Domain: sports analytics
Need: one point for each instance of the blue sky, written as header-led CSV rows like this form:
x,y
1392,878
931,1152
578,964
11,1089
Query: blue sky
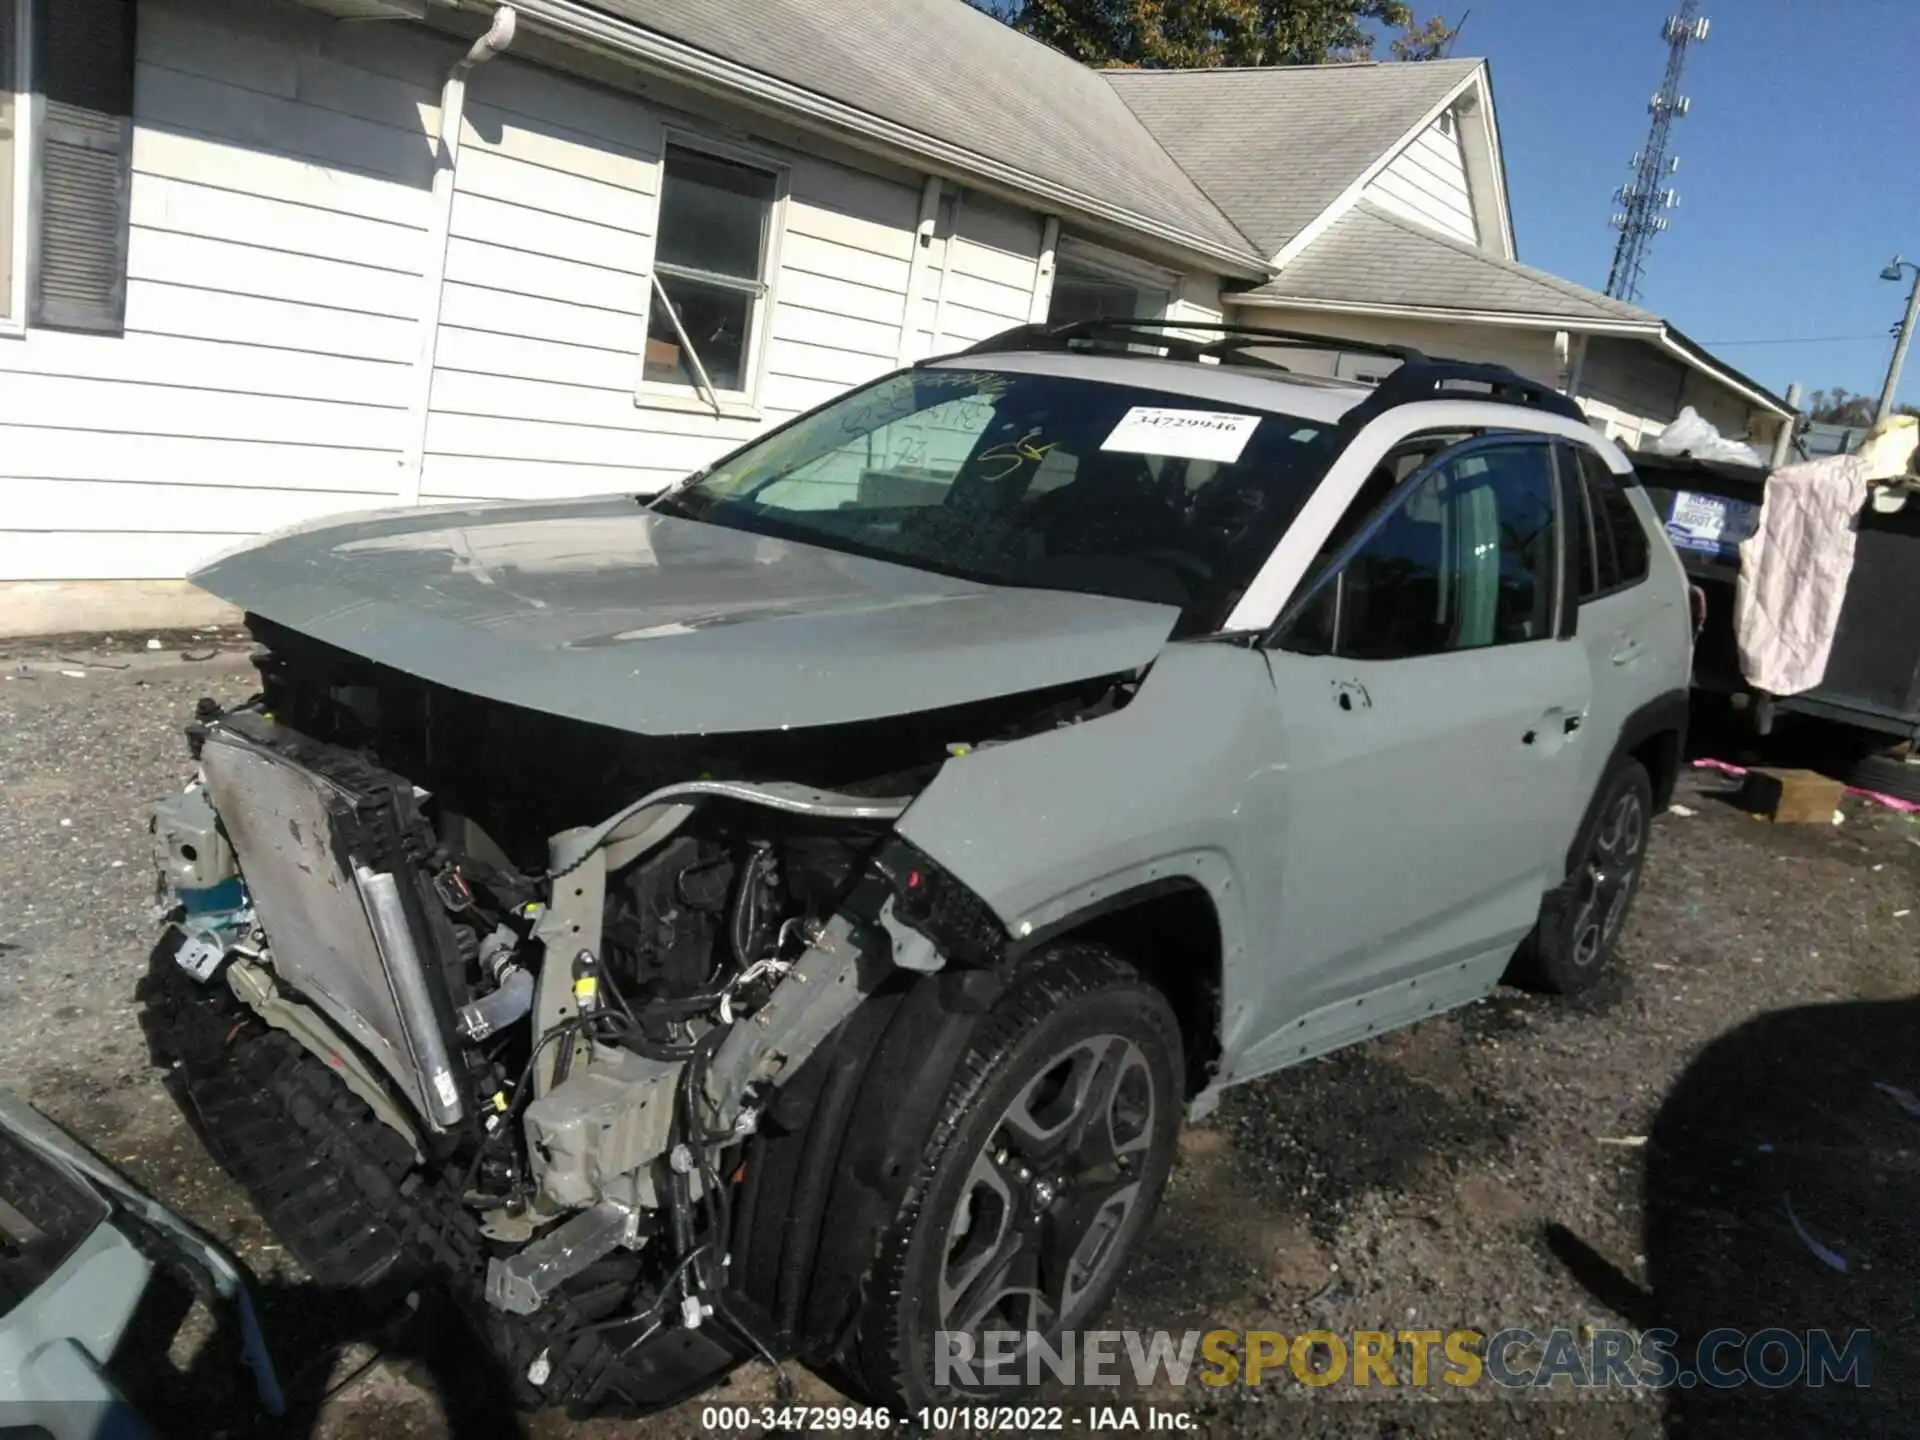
x,y
1799,169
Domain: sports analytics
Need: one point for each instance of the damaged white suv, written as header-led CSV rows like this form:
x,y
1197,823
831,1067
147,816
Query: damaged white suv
x,y
791,915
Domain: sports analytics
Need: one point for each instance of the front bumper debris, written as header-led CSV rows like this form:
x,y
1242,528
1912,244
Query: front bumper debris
x,y
71,1278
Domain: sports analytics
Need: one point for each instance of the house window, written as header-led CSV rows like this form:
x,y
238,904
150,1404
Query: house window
x,y
1086,290
14,111
711,259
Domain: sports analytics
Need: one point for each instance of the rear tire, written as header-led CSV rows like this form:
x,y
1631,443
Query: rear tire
x,y
1581,921
1042,1169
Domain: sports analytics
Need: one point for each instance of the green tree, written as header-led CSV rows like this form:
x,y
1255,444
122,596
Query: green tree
x,y
1199,34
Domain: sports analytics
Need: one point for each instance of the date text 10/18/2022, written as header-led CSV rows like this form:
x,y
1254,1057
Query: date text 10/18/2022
x,y
942,1419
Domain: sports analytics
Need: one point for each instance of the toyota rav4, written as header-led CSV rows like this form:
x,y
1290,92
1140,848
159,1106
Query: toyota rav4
x,y
791,915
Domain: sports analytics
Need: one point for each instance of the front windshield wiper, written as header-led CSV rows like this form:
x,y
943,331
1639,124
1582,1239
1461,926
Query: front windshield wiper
x,y
680,503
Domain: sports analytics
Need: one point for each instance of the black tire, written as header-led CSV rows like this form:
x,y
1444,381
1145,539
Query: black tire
x,y
1076,1037
1883,774
344,1194
1581,921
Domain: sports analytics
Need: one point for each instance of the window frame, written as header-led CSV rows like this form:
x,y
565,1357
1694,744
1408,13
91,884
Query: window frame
x,y
1334,569
13,319
708,399
1591,470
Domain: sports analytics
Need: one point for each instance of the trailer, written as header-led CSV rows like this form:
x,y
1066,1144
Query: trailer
x,y
1872,682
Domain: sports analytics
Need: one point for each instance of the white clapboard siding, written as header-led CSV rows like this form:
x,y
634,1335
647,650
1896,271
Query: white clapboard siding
x,y
43,452
154,408
98,555
548,277
465,393
206,312
534,232
567,443
174,100
107,505
785,395
1427,183
836,261
622,162
212,365
468,477
486,352
279,209
169,155
183,208
821,362
532,317
802,324
268,274
850,297
497,176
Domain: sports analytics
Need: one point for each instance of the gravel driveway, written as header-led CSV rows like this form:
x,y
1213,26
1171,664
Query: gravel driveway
x,y
1626,1161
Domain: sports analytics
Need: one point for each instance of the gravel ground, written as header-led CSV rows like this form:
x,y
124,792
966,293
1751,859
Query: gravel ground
x,y
1629,1160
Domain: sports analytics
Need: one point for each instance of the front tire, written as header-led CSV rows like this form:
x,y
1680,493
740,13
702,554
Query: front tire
x,y
1042,1170
1581,922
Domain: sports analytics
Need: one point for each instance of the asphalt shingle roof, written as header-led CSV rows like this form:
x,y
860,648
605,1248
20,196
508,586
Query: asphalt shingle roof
x,y
951,72
1369,257
1275,147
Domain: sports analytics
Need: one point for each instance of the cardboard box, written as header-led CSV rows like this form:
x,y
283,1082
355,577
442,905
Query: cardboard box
x,y
1792,797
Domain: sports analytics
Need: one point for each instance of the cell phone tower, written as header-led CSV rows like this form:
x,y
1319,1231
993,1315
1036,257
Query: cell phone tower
x,y
1644,200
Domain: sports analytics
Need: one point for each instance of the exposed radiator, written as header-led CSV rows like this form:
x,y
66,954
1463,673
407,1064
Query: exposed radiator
x,y
338,929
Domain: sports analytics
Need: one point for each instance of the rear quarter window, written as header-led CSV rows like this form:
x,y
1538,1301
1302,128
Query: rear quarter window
x,y
1613,544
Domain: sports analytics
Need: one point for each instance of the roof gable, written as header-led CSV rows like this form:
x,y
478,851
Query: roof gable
x,y
1276,147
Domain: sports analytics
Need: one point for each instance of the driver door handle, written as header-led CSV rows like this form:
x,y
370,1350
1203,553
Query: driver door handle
x,y
1626,652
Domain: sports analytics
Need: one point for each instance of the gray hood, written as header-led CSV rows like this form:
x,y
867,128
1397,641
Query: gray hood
x,y
604,611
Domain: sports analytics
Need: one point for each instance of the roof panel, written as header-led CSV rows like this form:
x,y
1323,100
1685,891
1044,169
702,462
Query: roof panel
x,y
947,70
1238,132
1368,257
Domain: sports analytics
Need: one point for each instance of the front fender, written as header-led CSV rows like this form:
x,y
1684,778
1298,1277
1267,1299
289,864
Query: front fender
x,y
1055,826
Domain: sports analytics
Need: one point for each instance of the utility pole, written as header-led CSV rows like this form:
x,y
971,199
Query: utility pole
x,y
1892,272
1643,198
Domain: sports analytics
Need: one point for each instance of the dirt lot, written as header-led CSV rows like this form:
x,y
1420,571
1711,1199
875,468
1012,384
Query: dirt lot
x,y
1637,1160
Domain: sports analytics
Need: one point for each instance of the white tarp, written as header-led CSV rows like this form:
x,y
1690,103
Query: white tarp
x,y
1794,571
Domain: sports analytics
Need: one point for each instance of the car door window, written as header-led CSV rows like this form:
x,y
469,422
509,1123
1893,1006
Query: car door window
x,y
1465,557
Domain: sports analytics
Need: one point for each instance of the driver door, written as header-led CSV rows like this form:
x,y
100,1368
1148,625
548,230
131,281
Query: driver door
x,y
1430,717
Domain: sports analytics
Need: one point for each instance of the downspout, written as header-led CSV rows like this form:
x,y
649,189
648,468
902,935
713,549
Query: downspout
x,y
946,267
453,108
1043,272
917,270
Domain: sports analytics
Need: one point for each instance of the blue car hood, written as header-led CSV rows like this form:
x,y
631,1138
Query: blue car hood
x,y
604,611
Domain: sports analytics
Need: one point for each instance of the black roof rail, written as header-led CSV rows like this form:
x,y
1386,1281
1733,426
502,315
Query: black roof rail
x,y
1417,377
1460,380
1118,335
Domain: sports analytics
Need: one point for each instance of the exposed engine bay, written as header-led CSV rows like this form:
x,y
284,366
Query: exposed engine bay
x,y
569,966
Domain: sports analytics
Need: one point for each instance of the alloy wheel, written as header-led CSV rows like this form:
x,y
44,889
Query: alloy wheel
x,y
1040,1218
1606,882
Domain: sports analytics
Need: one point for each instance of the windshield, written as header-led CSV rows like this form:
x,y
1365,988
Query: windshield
x,y
1050,481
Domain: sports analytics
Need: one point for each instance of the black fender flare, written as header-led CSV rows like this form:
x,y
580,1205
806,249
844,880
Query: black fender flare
x,y
1664,715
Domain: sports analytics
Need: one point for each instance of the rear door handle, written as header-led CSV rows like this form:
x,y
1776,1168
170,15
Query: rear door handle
x,y
1626,652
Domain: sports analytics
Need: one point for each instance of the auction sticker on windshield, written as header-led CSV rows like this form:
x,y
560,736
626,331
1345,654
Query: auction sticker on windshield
x,y
1189,434
1713,524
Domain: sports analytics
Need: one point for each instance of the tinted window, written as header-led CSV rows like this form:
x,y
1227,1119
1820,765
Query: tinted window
x,y
1616,541
1462,560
